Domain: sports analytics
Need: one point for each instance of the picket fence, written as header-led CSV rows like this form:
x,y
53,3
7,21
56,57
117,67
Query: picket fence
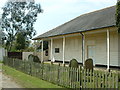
x,y
66,76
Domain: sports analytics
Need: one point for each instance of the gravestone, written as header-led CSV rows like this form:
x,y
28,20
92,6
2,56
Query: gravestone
x,y
72,74
30,58
36,59
89,64
33,58
73,63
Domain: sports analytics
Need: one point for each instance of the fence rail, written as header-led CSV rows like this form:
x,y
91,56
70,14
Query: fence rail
x,y
66,76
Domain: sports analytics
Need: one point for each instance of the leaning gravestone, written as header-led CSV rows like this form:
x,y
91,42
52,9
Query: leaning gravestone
x,y
89,64
33,58
72,74
36,59
30,58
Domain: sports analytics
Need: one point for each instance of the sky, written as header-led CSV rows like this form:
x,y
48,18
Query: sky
x,y
57,12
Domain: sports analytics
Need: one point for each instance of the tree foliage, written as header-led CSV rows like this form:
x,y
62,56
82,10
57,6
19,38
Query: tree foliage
x,y
2,37
118,15
19,17
38,45
20,42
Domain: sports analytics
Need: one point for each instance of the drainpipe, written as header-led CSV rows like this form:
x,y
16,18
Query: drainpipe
x,y
83,48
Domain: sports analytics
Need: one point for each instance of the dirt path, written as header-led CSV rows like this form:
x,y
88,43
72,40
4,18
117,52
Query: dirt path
x,y
6,82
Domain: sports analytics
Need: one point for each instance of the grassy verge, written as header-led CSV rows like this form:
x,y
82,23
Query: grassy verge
x,y
27,81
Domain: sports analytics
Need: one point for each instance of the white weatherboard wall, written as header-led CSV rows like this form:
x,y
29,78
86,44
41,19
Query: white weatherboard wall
x,y
73,47
99,40
114,48
58,43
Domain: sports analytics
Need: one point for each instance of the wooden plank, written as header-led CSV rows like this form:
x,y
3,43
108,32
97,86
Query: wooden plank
x,y
91,83
112,81
93,79
84,78
96,81
87,78
116,86
109,80
79,77
77,86
102,79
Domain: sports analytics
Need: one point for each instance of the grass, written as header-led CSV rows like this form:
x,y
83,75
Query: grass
x,y
27,81
1,61
0,66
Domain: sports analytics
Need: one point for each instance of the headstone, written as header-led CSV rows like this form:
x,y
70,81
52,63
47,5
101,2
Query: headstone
x,y
36,59
30,58
73,63
89,64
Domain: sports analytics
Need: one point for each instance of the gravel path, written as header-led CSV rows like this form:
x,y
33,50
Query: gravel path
x,y
6,82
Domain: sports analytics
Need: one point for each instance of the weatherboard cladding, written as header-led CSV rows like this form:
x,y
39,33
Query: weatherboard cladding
x,y
90,21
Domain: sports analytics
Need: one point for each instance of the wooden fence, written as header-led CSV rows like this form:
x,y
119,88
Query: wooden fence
x,y
66,76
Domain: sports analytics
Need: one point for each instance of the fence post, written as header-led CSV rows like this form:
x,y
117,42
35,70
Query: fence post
x,y
24,67
42,67
58,76
13,62
30,68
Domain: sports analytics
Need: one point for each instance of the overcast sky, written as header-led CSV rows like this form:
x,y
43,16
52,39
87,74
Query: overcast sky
x,y
57,12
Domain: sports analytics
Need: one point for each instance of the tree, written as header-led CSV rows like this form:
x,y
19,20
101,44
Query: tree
x,y
38,45
2,37
118,15
19,17
20,42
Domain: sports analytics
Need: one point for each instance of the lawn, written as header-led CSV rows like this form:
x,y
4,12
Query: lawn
x,y
25,80
1,61
0,66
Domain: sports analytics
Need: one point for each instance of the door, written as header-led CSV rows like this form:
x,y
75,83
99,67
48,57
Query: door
x,y
91,53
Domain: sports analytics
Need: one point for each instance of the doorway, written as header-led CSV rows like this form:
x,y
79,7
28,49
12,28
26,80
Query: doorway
x,y
91,52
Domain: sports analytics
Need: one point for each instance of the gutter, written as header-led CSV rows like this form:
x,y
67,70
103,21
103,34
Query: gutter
x,y
73,32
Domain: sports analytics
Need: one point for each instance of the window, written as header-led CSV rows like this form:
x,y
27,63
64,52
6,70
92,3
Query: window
x,y
57,50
